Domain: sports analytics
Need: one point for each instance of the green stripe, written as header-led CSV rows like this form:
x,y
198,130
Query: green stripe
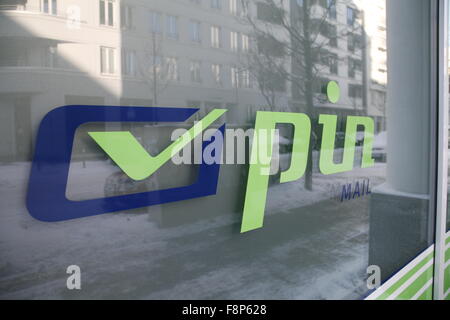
x,y
418,284
405,278
447,270
447,279
427,294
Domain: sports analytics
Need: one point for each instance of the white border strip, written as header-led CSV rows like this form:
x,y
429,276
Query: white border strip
x,y
411,280
447,294
423,289
400,274
440,69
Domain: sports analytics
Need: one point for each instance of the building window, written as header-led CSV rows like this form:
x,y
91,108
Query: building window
x,y
245,42
234,7
234,41
126,17
331,7
245,77
172,69
129,63
49,7
216,4
195,69
378,98
355,91
157,67
351,16
320,85
234,77
270,46
216,70
353,66
269,12
332,36
194,31
353,42
172,27
330,31
51,57
333,63
215,37
155,22
107,12
107,61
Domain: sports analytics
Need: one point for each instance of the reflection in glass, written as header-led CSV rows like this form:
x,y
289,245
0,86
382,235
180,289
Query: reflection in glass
x,y
244,56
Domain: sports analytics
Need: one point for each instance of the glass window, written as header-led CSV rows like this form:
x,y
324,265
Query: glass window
x,y
234,7
129,63
350,16
195,68
110,13
216,4
235,77
155,22
107,12
351,43
216,70
270,12
172,69
333,63
245,77
331,6
54,7
126,16
216,37
49,6
353,66
234,41
340,207
245,42
102,12
107,60
51,57
45,6
195,31
172,26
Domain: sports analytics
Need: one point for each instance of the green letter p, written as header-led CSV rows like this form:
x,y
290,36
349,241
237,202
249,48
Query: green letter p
x,y
258,176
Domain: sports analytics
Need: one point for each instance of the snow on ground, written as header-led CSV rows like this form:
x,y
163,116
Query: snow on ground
x,y
311,246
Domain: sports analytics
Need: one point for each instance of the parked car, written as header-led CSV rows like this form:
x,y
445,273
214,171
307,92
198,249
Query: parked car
x,y
281,159
119,184
379,147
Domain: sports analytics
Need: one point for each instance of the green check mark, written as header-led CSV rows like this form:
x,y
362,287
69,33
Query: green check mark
x,y
123,148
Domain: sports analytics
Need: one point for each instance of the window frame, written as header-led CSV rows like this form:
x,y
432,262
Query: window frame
x,y
105,53
109,7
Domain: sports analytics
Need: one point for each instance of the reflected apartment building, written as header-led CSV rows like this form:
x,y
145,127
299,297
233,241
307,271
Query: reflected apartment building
x,y
349,45
111,52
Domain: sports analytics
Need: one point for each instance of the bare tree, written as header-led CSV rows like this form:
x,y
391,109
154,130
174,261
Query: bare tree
x,y
293,39
156,69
